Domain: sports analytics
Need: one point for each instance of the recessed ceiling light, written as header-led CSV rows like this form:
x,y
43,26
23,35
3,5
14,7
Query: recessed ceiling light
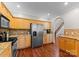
x,y
48,14
66,3
18,6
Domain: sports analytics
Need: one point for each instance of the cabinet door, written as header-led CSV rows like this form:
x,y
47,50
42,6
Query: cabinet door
x,y
21,41
45,39
77,47
61,43
28,41
45,26
67,44
50,38
27,25
7,52
70,45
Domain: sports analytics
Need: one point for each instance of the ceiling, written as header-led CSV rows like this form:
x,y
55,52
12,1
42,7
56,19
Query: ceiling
x,y
40,10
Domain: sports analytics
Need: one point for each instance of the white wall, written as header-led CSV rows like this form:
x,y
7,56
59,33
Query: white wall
x,y
71,19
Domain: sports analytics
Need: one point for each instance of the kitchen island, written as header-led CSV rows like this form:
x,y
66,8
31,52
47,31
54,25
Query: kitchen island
x,y
69,44
5,49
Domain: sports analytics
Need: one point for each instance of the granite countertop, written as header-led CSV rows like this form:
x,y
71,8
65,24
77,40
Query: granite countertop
x,y
73,37
3,46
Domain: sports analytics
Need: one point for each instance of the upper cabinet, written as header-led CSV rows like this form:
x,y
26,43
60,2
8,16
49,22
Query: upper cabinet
x,y
4,21
47,25
18,23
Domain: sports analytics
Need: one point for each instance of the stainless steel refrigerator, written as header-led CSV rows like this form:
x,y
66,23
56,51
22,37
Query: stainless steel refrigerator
x,y
36,35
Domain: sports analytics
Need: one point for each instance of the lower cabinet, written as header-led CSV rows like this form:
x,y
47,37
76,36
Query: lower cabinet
x,y
68,45
47,38
28,41
77,48
61,43
23,41
7,52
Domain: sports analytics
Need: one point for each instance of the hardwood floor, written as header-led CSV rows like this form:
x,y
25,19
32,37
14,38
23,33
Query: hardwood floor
x,y
65,54
49,50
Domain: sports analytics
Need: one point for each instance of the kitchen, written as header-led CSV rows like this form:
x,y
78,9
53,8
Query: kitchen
x,y
39,29
19,33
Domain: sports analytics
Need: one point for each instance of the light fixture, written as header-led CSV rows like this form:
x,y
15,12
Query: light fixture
x,y
18,6
48,14
66,3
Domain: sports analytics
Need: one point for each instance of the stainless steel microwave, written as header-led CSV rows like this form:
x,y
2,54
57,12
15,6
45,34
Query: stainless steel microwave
x,y
4,21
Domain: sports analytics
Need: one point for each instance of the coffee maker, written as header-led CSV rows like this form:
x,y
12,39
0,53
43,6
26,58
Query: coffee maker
x,y
3,36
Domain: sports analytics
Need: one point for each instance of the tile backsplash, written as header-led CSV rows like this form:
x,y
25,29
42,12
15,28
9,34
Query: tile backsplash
x,y
3,30
18,32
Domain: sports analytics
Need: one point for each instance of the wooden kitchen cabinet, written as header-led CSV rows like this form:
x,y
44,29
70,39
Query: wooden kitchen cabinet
x,y
47,25
47,39
21,42
67,44
6,49
61,43
70,45
6,52
77,47
28,41
24,41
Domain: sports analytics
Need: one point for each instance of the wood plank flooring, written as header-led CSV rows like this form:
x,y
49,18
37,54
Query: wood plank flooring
x,y
48,50
65,54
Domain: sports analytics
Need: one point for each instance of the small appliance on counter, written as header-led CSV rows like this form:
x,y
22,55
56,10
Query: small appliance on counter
x,y
3,37
48,31
4,21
